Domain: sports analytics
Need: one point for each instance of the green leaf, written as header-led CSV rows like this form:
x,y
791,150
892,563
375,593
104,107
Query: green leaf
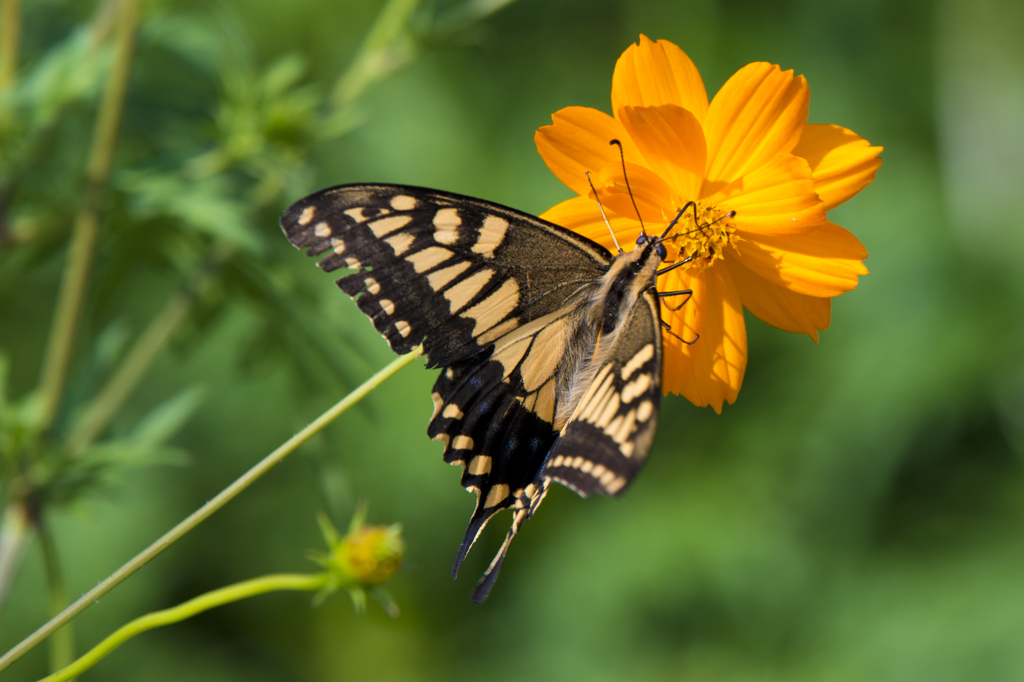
x,y
72,70
191,39
210,207
105,460
165,420
283,75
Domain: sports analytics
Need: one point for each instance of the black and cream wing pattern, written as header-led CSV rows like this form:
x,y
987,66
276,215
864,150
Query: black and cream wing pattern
x,y
549,347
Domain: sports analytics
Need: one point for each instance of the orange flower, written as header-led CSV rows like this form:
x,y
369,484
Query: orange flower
x,y
751,151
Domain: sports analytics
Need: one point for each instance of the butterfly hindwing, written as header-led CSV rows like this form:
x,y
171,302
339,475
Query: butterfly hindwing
x,y
496,414
607,439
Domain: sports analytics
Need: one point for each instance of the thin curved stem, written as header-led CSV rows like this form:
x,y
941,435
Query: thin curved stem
x,y
204,602
371,62
137,362
86,229
62,644
201,514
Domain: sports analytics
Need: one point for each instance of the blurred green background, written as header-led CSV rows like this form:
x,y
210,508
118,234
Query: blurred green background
x,y
858,514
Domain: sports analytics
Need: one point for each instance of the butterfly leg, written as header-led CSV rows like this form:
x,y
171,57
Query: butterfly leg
x,y
685,292
665,325
688,259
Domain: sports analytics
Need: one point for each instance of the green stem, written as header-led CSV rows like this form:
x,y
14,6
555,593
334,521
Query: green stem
x,y
134,366
127,376
388,46
104,19
201,514
62,646
83,241
373,59
15,533
225,595
10,40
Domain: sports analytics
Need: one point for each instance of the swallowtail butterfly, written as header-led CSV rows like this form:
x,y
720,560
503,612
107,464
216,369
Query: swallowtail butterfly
x,y
549,345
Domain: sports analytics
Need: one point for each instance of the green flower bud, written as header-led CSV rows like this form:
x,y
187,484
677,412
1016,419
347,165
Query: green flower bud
x,y
365,557
369,555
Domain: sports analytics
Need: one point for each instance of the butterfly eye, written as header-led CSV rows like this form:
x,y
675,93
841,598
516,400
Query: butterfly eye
x,y
642,239
662,252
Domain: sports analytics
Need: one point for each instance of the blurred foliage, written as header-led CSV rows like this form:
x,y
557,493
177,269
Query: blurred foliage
x,y
364,558
857,515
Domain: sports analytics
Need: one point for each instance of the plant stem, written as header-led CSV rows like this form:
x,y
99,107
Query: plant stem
x,y
225,595
83,241
62,646
103,20
128,374
134,366
388,46
201,514
373,60
10,41
15,533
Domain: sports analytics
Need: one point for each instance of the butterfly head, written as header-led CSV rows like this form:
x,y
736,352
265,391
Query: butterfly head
x,y
659,247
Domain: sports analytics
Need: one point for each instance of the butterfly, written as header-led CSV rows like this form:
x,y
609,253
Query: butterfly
x,y
550,346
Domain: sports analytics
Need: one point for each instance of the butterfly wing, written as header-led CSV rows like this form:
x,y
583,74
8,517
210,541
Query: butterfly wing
x,y
605,441
497,414
607,438
448,271
492,294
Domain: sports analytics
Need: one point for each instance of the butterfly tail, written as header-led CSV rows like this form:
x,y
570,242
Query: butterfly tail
x,y
526,505
473,530
483,588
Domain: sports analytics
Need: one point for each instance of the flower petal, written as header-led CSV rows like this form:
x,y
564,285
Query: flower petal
x,y
672,141
653,197
581,215
823,262
777,306
776,199
721,351
578,141
654,73
842,162
758,114
687,323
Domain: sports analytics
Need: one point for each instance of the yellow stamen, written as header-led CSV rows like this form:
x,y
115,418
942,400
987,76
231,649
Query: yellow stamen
x,y
704,239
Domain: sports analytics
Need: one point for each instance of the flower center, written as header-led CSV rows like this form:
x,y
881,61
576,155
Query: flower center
x,y
704,239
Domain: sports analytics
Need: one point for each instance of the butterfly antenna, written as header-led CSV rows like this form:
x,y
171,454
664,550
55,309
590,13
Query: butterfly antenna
x,y
622,157
601,208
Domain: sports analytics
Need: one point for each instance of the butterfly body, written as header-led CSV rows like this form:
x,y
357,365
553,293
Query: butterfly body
x,y
550,346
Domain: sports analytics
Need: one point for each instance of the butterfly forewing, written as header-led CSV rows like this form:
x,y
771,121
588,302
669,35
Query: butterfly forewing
x,y
448,271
